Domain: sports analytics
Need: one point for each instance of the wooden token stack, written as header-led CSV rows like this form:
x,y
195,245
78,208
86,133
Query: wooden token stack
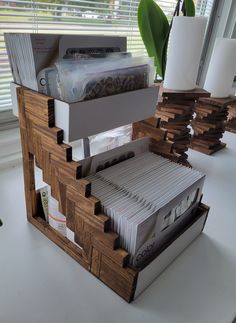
x,y
175,110
231,120
150,128
209,124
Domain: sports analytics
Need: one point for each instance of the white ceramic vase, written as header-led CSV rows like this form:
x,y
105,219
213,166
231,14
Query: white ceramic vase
x,y
222,68
184,52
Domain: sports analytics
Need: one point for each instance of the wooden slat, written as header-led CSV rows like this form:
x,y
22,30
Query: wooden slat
x,y
53,133
62,152
28,162
70,214
71,169
82,186
109,239
69,247
96,262
119,255
21,107
165,147
30,136
90,205
54,183
142,129
185,95
99,222
153,121
46,166
220,102
39,108
38,151
62,197
119,279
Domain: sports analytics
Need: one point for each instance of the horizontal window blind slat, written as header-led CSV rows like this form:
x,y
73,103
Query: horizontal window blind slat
x,y
4,86
125,4
5,95
6,90
5,75
101,11
5,107
80,19
4,70
3,81
67,23
74,28
4,65
3,102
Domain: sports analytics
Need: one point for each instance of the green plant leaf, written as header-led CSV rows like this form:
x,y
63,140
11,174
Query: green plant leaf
x,y
153,27
189,8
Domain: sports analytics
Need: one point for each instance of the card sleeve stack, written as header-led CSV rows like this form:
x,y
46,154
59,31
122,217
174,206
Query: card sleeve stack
x,y
147,197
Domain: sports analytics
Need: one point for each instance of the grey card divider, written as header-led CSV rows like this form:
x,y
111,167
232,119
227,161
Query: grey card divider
x,y
86,118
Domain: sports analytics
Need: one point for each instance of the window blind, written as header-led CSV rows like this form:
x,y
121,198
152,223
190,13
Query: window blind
x,y
111,17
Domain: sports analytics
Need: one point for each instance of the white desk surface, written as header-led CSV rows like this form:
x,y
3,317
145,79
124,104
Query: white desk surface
x,y
40,283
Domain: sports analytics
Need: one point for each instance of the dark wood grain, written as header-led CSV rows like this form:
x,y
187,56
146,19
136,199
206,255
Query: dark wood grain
x,y
100,251
209,124
175,111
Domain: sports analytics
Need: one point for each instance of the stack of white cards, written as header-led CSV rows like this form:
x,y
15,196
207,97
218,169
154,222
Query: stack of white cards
x,y
28,54
146,197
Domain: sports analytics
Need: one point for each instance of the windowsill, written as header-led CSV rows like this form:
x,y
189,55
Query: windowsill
x,y
10,148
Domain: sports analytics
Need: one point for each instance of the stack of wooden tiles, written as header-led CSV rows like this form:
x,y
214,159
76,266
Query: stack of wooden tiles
x,y
209,124
231,120
175,110
150,128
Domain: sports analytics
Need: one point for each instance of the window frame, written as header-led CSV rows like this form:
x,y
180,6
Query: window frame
x,y
222,24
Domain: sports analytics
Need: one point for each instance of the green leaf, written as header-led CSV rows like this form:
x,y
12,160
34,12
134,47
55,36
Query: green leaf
x,y
189,8
153,27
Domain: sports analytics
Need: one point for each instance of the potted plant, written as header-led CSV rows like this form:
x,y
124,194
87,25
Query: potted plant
x,y
183,37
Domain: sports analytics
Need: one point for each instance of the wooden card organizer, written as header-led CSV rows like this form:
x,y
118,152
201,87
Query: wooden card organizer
x,y
209,124
42,143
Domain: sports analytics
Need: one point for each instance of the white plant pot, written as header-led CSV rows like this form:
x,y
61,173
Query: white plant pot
x,y
184,52
222,68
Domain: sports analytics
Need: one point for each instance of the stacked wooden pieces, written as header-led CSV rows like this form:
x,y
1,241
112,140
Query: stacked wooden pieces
x,y
175,110
151,128
209,124
231,120
42,143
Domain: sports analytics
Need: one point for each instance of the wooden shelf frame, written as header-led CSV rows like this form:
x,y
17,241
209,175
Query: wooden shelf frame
x,y
42,144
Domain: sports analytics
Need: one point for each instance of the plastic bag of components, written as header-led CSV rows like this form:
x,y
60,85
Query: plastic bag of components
x,y
110,139
85,79
103,141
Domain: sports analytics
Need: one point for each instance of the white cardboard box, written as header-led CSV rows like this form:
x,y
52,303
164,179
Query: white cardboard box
x,y
148,274
82,119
